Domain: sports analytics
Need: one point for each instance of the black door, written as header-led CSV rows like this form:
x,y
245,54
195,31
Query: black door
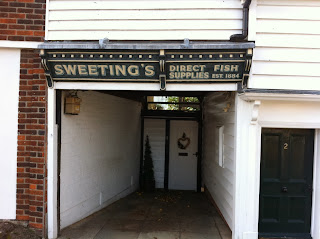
x,y
286,182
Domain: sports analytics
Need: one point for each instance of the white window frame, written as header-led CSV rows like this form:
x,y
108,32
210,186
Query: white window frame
x,y
220,145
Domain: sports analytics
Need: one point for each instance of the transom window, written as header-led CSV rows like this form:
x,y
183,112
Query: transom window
x,y
173,103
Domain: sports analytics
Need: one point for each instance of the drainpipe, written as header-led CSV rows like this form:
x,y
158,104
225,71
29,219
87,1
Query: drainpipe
x,y
245,23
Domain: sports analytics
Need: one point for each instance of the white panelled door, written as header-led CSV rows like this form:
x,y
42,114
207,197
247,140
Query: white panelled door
x,y
183,155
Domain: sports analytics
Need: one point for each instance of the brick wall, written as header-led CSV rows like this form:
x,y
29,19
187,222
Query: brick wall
x,y
31,175
22,20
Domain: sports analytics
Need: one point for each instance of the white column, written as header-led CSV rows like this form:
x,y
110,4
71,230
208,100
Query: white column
x,y
247,168
9,99
52,165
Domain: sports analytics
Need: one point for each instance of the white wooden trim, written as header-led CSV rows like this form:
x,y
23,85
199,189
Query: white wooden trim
x,y
245,223
193,14
287,40
315,220
140,5
47,20
221,146
144,86
296,125
286,54
144,25
19,44
251,96
136,20
252,21
52,166
9,100
288,12
143,35
288,3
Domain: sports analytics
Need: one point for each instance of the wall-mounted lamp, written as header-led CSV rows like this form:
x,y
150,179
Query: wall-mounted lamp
x,y
226,109
72,104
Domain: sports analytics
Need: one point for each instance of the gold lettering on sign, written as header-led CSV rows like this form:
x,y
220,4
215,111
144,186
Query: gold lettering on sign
x,y
58,70
133,70
70,69
149,70
103,69
111,68
121,69
226,68
92,69
82,70
234,68
188,72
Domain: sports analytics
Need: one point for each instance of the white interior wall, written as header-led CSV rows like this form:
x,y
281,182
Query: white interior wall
x,y
219,110
9,97
156,130
100,153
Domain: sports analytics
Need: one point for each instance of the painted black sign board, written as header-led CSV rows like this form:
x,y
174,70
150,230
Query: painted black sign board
x,y
147,66
104,71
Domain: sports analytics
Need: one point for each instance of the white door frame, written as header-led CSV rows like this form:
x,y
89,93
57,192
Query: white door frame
x,y
52,166
247,166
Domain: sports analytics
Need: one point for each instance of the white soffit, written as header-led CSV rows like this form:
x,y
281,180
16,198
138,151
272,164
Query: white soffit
x,y
252,96
19,44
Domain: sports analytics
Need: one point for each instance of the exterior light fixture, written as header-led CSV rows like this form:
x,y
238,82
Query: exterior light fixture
x,y
72,104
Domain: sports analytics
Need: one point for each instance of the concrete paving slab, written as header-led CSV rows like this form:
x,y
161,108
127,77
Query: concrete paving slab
x,y
122,225
115,234
194,235
161,225
79,233
159,215
159,235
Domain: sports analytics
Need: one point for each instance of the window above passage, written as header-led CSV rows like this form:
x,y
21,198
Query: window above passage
x,y
173,103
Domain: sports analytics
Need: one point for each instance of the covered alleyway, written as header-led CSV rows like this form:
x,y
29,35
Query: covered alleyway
x,y
159,215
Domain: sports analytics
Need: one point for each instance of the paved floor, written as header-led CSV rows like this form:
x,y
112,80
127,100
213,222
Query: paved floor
x,y
171,215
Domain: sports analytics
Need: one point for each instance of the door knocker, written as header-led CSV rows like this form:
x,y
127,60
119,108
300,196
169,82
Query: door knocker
x,y
183,142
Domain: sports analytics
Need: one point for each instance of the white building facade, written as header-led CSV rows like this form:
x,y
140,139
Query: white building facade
x,y
282,92
259,135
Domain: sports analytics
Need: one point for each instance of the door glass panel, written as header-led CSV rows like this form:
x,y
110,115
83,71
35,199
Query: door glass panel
x,y
296,160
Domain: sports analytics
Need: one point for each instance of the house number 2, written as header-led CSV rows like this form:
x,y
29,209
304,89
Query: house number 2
x,y
285,147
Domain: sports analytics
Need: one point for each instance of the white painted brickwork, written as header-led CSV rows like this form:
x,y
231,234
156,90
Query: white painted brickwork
x,y
143,20
100,152
219,110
